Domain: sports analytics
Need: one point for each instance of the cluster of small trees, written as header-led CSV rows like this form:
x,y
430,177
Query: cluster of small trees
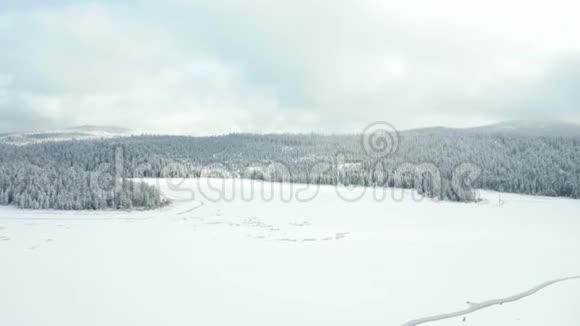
x,y
65,175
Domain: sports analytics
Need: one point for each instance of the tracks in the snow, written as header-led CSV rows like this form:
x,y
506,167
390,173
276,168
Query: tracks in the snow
x,y
473,307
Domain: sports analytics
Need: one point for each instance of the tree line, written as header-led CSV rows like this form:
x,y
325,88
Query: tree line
x,y
445,164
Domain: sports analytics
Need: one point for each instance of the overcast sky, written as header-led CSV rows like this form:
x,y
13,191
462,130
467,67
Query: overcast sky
x,y
210,67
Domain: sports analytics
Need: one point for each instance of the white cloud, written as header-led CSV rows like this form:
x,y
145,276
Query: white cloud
x,y
215,67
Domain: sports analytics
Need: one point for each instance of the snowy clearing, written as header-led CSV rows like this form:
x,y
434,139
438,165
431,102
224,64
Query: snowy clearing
x,y
324,261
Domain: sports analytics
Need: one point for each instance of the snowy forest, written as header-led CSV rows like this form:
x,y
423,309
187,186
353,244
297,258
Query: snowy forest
x,y
439,163
38,180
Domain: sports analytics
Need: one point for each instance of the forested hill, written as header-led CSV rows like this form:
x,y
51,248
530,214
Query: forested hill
x,y
74,133
58,174
531,129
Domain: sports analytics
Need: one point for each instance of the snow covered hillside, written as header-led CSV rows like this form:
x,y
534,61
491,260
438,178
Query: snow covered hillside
x,y
74,133
287,255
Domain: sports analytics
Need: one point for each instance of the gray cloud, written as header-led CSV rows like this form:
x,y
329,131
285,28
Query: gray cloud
x,y
206,67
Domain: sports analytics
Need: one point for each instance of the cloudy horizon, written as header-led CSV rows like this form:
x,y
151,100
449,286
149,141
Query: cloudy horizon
x,y
196,67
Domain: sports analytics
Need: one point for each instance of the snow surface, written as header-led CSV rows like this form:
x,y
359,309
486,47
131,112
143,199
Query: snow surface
x,y
325,261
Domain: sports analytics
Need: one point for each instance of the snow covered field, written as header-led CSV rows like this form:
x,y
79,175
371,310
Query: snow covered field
x,y
324,261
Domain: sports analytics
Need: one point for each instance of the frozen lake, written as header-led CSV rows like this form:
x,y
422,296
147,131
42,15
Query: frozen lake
x,y
301,257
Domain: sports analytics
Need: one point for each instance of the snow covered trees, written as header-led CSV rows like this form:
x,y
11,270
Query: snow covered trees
x,y
90,175
59,186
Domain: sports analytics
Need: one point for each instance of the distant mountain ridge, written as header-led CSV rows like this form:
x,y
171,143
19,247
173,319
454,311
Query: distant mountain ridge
x,y
511,128
508,128
531,128
105,129
84,132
